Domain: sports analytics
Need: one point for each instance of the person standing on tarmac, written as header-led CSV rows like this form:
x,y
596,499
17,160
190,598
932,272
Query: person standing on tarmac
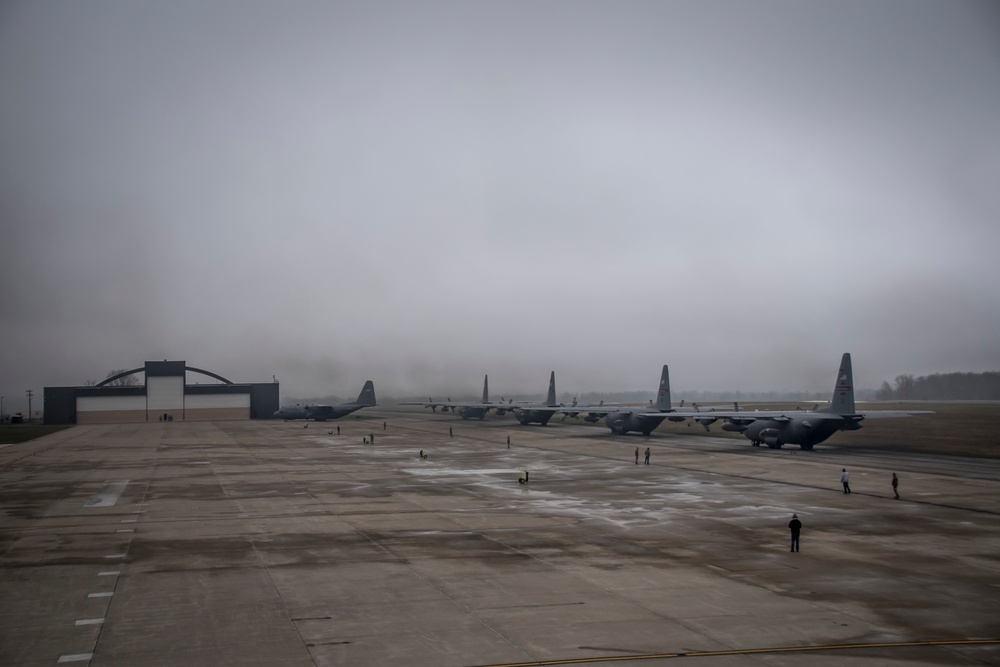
x,y
796,527
637,456
845,479
647,456
895,485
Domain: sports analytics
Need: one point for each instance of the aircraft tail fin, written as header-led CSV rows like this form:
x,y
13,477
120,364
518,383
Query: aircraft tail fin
x,y
663,392
550,400
486,389
842,402
367,395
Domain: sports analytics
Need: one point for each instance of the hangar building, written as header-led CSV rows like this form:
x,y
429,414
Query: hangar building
x,y
164,395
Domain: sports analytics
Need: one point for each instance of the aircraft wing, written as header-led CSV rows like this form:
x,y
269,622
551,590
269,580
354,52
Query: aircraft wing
x,y
451,405
744,416
600,410
884,414
749,416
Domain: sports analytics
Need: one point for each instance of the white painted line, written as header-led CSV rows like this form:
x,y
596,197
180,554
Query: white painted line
x,y
102,594
109,573
108,495
89,621
129,521
125,530
76,657
116,556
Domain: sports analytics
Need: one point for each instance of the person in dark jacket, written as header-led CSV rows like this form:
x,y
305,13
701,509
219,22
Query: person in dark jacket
x,y
796,527
895,485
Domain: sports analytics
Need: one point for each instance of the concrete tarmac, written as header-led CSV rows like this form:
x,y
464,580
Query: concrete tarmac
x,y
274,543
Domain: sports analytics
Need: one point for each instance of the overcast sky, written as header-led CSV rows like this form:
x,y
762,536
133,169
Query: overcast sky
x,y
423,192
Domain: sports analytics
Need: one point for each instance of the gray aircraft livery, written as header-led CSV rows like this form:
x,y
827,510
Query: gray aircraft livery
x,y
539,414
776,428
321,413
467,410
622,419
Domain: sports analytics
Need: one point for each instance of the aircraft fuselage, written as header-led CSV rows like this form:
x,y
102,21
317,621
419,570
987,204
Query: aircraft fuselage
x,y
621,423
466,412
529,416
805,431
318,413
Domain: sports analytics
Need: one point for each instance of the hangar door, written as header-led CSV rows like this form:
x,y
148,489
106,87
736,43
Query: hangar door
x,y
165,395
217,405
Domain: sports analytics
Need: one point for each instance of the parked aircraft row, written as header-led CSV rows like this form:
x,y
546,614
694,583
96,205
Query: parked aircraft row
x,y
773,428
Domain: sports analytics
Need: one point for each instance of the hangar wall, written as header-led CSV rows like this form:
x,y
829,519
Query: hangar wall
x,y
110,409
216,406
164,393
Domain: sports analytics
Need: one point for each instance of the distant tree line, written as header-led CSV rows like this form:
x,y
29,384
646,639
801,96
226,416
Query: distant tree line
x,y
127,381
942,387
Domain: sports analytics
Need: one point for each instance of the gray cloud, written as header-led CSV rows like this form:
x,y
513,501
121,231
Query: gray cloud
x,y
421,194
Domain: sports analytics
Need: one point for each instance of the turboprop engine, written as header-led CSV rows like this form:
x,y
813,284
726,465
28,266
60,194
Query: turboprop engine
x,y
734,427
706,421
771,437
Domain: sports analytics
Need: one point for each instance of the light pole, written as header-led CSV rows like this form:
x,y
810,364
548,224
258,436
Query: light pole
x,y
29,393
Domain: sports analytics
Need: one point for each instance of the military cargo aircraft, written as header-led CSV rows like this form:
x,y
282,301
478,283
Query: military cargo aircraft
x,y
467,410
540,414
321,413
776,428
622,419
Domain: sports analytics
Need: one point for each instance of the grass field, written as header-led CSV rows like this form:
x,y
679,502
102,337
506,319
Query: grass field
x,y
962,429
14,433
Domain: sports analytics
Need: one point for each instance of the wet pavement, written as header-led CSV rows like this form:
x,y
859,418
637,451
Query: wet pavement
x,y
273,543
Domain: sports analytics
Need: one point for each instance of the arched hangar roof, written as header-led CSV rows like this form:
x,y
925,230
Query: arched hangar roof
x,y
143,370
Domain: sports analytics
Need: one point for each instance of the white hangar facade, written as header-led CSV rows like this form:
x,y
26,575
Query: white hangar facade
x,y
165,395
